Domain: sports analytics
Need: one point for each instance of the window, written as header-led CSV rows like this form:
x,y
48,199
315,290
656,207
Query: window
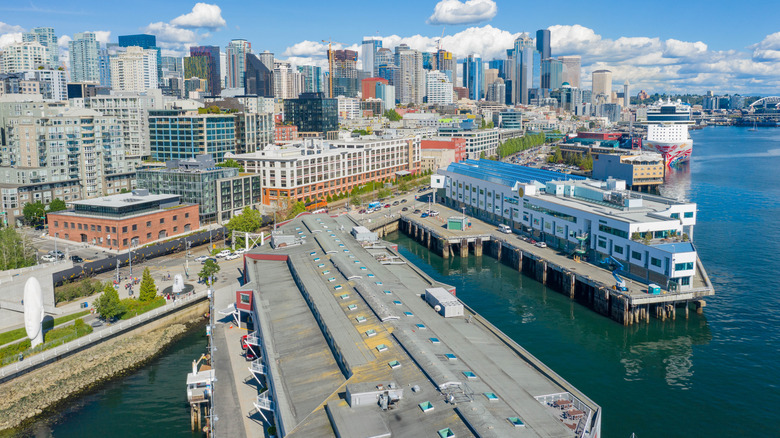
x,y
175,229
56,223
186,215
244,298
655,262
187,227
175,217
124,229
618,250
92,227
113,230
688,214
162,234
602,243
148,224
135,227
162,220
685,281
124,241
79,226
65,223
675,215
636,255
683,266
100,228
148,236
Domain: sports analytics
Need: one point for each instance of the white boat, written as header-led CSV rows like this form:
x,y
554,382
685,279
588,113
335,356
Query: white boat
x,y
667,131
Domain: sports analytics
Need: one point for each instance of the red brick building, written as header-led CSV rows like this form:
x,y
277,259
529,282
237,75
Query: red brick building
x,y
461,92
285,133
368,86
119,221
457,144
601,136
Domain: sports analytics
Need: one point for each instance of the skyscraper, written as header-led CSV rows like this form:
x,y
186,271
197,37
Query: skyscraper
x,y
411,76
626,97
447,64
211,55
84,58
236,62
472,76
438,88
543,43
498,64
571,70
523,57
267,58
23,56
368,53
345,76
312,78
45,36
134,70
288,83
602,87
258,79
144,41
552,74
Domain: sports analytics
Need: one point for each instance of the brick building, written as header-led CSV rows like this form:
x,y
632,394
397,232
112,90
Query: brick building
x,y
457,144
118,221
285,133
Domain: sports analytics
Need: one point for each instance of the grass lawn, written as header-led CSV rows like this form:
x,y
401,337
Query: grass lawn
x,y
19,333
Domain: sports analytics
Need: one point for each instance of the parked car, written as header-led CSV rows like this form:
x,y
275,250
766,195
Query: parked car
x,y
541,244
403,200
39,227
240,251
201,259
48,258
362,211
76,259
58,254
243,342
387,205
395,203
207,259
231,256
416,211
433,213
223,253
405,209
424,215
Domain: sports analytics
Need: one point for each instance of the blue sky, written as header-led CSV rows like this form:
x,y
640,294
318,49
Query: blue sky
x,y
660,45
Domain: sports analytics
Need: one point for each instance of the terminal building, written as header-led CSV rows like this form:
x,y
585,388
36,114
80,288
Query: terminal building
x,y
315,169
651,235
350,341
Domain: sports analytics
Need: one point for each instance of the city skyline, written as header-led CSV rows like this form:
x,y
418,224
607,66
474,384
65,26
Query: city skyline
x,y
672,55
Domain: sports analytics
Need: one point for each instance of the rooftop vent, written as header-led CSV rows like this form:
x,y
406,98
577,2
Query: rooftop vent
x,y
141,192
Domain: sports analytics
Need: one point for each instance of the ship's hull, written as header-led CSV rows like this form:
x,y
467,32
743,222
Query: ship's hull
x,y
674,153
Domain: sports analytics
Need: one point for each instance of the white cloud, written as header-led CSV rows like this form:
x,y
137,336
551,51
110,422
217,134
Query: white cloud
x,y
308,48
10,28
63,41
468,12
102,36
10,38
203,15
680,49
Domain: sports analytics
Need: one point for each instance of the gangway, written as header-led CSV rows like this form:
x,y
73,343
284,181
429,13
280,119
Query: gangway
x,y
264,403
620,284
253,339
257,369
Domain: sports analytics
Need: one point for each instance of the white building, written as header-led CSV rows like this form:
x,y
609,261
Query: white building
x,y
477,140
84,58
349,108
47,38
438,88
411,84
288,83
602,87
134,70
316,169
23,56
131,111
650,235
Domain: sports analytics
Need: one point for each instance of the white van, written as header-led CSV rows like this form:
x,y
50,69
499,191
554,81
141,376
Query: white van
x,y
505,229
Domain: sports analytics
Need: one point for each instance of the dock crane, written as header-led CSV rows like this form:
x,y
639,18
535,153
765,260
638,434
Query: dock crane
x,y
330,64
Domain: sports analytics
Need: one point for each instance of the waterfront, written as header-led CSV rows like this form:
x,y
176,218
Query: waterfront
x,y
148,402
705,376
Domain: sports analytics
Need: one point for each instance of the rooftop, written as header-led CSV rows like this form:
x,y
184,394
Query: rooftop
x,y
136,197
506,173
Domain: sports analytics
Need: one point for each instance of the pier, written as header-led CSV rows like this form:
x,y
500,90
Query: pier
x,y
583,282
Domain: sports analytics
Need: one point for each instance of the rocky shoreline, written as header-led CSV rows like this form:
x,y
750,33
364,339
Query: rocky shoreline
x,y
26,397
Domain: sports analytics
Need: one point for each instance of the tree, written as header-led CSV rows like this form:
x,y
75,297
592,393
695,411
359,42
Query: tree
x,y
355,201
482,155
297,208
231,163
209,268
392,115
148,288
382,193
57,204
16,250
108,305
34,212
249,221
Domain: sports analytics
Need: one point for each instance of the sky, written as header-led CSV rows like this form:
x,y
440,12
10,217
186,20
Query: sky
x,y
663,46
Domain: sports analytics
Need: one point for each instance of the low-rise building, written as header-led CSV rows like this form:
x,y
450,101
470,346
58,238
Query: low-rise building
x,y
124,220
458,145
477,140
642,171
315,169
651,235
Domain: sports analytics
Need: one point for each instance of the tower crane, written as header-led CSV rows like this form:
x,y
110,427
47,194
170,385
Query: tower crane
x,y
330,64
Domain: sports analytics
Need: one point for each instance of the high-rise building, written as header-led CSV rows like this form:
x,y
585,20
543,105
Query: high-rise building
x,y
84,58
236,62
490,76
472,76
411,76
523,57
258,79
312,112
345,75
386,92
288,83
543,43
144,41
104,65
267,58
496,91
602,87
211,55
131,111
23,56
312,78
626,97
498,64
438,88
571,70
197,67
46,37
429,61
368,54
552,74
383,57
177,135
134,70
447,64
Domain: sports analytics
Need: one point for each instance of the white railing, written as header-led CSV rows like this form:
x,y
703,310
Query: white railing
x,y
257,366
18,368
253,339
263,402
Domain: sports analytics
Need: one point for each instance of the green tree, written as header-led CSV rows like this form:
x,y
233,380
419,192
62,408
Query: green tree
x,y
148,288
355,200
34,212
297,208
482,155
231,163
57,204
249,221
382,193
392,115
16,250
108,305
209,268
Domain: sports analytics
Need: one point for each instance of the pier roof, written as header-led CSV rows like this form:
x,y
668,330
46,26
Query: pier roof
x,y
506,173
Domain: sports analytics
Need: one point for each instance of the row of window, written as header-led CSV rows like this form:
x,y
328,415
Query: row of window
x,y
99,228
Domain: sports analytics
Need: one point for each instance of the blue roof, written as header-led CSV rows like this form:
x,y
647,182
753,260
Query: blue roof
x,y
506,173
675,248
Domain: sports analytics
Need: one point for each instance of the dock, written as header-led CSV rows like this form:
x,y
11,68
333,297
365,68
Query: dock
x,y
351,343
583,282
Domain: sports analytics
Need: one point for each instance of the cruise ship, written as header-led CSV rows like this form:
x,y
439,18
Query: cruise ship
x,y
667,131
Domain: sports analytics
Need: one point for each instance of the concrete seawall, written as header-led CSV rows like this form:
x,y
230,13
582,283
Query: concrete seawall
x,y
36,391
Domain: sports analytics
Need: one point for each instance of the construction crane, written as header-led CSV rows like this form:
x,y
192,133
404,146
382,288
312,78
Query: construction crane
x,y
330,64
438,43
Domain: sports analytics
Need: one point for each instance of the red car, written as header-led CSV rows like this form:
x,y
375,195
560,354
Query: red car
x,y
387,205
249,354
243,342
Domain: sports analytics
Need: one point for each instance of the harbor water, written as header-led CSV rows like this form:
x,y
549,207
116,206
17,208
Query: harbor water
x,y
712,375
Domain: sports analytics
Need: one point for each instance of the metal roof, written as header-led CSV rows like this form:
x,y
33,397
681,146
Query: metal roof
x,y
507,174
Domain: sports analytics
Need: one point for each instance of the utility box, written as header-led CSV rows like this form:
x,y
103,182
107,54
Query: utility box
x,y
654,289
457,223
363,234
443,302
